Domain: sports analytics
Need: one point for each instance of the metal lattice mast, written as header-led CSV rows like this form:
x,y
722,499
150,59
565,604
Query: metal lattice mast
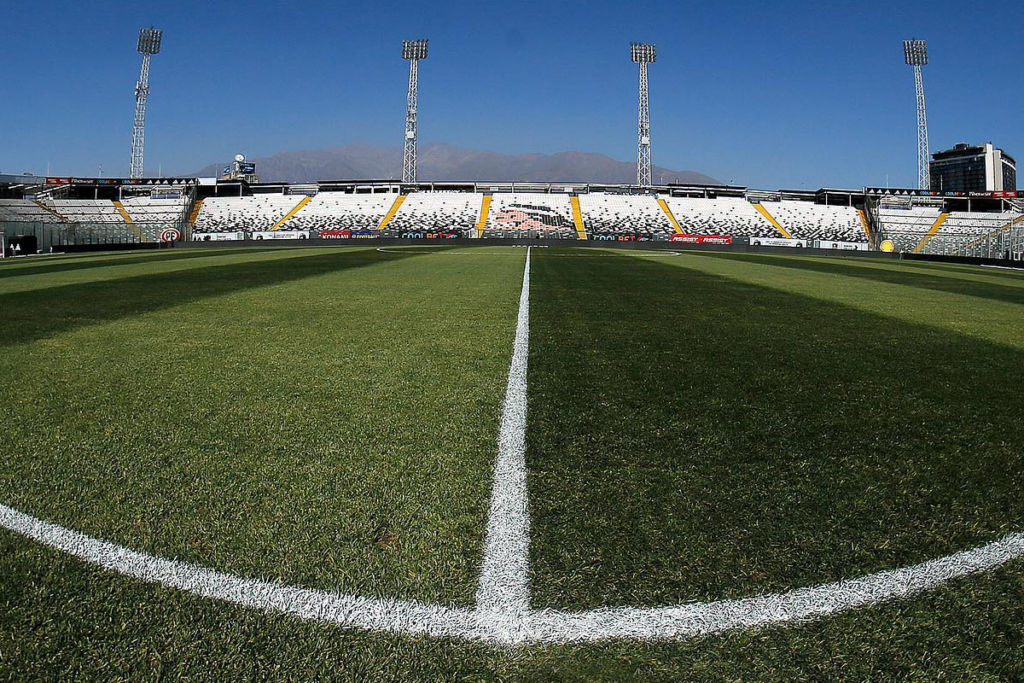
x,y
915,53
643,54
414,51
149,44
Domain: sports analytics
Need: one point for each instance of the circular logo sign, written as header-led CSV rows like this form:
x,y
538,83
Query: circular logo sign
x,y
888,246
170,235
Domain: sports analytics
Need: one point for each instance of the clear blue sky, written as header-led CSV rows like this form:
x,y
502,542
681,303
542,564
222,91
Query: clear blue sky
x,y
773,95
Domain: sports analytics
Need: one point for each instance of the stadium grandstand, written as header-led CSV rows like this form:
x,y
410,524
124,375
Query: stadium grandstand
x,y
63,212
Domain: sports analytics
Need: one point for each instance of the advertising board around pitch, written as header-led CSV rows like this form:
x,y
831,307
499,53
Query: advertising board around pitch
x,y
218,236
702,239
280,235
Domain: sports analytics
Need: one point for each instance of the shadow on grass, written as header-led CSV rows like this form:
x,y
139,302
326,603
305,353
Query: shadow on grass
x,y
43,313
694,437
845,267
105,260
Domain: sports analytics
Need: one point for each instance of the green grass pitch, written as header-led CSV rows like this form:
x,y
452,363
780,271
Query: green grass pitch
x,y
701,426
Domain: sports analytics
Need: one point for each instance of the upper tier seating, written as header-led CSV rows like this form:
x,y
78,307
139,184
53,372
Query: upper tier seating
x,y
733,216
437,212
549,214
624,215
341,211
229,214
807,221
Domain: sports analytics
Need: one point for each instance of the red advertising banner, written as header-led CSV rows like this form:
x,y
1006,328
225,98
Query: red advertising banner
x,y
58,181
703,239
335,234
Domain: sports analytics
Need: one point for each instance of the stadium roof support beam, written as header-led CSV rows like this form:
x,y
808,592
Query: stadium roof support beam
x,y
148,45
915,54
643,54
414,51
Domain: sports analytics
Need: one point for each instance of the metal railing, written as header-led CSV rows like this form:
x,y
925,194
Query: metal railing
x,y
52,235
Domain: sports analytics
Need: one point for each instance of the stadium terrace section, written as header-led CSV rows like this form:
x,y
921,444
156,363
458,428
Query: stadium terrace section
x,y
97,211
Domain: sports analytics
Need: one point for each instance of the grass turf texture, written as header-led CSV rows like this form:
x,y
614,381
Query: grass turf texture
x,y
754,439
701,426
324,418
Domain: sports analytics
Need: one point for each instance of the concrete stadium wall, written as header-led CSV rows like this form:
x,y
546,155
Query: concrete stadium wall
x,y
586,244
966,260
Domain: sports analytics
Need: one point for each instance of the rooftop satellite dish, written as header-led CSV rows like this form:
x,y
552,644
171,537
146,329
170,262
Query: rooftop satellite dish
x,y
239,158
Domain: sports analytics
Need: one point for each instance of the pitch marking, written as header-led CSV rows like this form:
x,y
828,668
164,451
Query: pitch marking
x,y
502,615
504,592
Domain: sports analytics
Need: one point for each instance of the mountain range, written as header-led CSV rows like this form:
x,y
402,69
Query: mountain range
x,y
446,162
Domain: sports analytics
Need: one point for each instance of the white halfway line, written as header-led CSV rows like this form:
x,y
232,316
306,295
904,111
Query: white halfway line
x,y
504,592
502,614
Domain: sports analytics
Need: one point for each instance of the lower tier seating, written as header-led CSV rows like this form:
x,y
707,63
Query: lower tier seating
x,y
617,214
435,212
735,217
807,221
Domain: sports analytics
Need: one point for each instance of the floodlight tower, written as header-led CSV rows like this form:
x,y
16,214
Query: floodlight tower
x,y
414,51
915,52
149,44
643,54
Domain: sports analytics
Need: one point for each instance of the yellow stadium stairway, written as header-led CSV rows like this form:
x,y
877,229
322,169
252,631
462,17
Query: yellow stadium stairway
x,y
577,217
931,233
392,211
295,210
44,207
864,222
671,217
771,219
196,208
128,219
485,210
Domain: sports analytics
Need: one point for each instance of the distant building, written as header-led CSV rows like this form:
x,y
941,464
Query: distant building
x,y
973,168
